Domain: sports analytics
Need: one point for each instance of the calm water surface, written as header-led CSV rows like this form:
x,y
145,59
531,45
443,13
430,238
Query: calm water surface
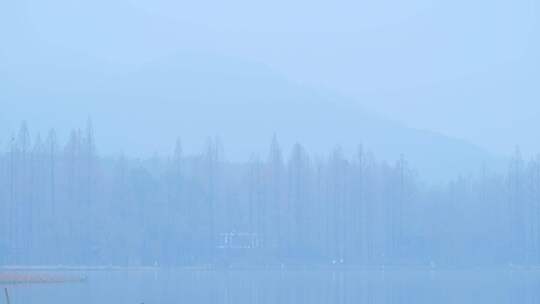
x,y
288,286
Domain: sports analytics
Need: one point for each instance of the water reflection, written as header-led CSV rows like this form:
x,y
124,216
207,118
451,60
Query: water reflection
x,y
261,286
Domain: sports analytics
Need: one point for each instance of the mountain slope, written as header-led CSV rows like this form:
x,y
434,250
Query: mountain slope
x,y
142,109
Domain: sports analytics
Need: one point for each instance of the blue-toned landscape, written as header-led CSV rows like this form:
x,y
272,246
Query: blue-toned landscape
x,y
269,152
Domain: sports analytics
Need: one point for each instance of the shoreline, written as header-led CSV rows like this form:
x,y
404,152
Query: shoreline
x,y
209,267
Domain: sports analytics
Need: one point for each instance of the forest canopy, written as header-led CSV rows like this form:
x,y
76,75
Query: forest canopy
x,y
63,203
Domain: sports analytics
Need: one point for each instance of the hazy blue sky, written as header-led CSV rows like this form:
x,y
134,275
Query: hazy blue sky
x,y
467,69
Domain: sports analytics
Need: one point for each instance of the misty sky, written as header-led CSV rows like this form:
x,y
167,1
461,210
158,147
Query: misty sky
x,y
467,69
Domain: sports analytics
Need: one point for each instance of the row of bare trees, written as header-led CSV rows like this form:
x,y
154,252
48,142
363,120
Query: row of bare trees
x,y
68,205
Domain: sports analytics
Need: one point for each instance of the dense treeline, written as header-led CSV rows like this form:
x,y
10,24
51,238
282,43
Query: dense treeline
x,y
64,204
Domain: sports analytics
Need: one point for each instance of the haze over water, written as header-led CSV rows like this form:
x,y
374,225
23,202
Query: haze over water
x,y
372,286
281,152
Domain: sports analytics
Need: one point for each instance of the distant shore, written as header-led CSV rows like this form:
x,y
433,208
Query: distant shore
x,y
44,269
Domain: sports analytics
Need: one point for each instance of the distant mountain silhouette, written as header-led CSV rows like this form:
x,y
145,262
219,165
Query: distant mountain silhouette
x,y
142,109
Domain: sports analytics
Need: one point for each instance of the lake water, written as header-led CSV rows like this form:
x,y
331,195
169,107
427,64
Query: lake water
x,y
312,286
